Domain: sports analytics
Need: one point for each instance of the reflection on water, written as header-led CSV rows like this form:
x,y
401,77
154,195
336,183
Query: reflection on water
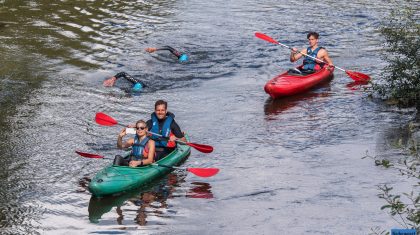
x,y
81,33
148,202
200,190
273,107
395,142
356,85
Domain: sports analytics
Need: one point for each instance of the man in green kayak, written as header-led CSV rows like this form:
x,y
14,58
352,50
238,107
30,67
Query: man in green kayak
x,y
164,130
309,64
143,148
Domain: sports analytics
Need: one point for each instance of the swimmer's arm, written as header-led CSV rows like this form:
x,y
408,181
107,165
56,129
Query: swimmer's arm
x,y
129,78
167,48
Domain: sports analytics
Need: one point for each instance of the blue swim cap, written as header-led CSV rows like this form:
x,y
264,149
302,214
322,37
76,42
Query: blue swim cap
x,y
137,87
183,58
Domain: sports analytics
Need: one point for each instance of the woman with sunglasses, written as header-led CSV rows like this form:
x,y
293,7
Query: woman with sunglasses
x,y
143,148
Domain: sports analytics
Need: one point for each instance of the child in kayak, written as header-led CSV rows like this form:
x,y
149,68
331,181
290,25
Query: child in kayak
x,y
143,148
310,65
182,57
137,84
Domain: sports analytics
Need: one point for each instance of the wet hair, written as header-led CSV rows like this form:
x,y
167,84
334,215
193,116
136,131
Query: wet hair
x,y
141,121
160,102
315,34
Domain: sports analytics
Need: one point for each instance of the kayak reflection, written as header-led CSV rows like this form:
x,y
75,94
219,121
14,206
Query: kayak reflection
x,y
277,106
150,201
356,85
200,190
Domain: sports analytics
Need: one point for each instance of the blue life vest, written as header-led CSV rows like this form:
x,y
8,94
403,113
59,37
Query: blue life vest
x,y
309,63
138,147
165,132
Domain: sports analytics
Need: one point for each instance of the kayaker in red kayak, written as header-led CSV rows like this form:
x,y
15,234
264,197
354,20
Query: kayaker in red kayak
x,y
162,122
137,84
309,64
182,57
143,148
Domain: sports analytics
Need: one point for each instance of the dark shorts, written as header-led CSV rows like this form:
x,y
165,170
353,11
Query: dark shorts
x,y
121,161
162,152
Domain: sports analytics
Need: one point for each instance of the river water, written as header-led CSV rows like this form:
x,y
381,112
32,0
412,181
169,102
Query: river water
x,y
288,166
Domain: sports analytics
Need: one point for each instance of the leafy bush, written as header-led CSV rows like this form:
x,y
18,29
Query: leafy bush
x,y
401,77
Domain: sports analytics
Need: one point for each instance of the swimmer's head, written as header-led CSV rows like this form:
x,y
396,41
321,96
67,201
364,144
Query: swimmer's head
x,y
183,58
137,87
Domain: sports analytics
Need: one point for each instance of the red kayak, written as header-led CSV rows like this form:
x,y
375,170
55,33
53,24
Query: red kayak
x,y
287,83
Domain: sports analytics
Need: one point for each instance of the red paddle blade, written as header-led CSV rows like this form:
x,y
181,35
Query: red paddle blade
x,y
105,120
203,172
89,155
265,37
201,147
360,77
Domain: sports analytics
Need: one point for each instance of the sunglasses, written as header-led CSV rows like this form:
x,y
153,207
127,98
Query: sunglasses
x,y
140,127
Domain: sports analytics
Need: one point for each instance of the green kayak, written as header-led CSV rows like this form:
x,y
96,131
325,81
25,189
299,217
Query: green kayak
x,y
118,179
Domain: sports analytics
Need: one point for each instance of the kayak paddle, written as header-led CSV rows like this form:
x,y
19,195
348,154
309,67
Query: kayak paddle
x,y
201,172
200,147
357,76
105,120
90,155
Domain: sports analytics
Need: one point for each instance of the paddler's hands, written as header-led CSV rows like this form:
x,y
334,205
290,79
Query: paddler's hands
x,y
110,81
122,133
330,67
134,163
151,49
120,144
172,138
293,55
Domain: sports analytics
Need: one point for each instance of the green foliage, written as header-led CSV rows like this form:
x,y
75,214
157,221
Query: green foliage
x,y
400,84
403,207
407,212
401,77
385,163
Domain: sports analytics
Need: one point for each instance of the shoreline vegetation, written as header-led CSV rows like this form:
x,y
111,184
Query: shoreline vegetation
x,y
400,85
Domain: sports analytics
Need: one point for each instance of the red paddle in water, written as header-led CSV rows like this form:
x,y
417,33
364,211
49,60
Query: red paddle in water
x,y
105,120
90,155
202,172
357,76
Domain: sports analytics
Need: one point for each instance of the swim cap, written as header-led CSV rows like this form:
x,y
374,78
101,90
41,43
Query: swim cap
x,y
137,87
183,58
